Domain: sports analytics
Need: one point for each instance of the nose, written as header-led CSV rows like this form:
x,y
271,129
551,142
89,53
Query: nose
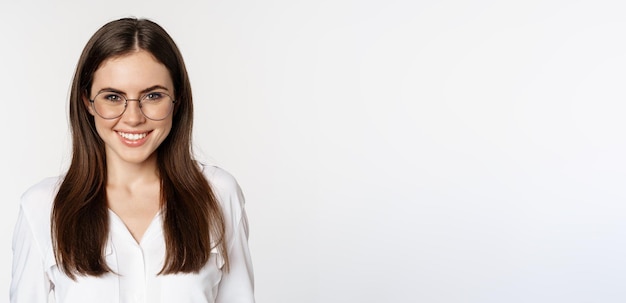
x,y
132,114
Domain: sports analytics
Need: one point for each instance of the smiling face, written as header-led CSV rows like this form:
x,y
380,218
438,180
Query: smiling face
x,y
131,138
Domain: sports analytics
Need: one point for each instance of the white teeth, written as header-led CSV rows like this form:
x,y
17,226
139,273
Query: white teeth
x,y
133,137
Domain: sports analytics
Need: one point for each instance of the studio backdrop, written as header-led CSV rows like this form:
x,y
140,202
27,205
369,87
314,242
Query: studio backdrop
x,y
389,151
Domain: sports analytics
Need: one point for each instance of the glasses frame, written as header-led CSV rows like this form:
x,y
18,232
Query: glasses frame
x,y
93,105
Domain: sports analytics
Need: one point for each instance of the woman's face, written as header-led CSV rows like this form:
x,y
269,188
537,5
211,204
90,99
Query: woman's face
x,y
131,138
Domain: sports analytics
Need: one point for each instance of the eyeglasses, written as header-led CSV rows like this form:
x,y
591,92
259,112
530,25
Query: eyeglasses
x,y
154,105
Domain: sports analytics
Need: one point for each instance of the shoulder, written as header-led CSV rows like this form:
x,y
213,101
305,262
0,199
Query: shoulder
x,y
221,181
37,200
35,208
226,190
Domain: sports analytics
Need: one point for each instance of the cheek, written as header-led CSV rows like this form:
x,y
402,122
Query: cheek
x,y
102,126
167,127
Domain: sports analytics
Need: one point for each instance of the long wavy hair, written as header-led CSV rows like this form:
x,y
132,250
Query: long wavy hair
x,y
192,219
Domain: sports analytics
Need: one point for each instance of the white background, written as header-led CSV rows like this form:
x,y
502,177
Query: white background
x,y
390,151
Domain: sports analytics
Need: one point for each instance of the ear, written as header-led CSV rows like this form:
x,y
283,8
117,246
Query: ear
x,y
87,104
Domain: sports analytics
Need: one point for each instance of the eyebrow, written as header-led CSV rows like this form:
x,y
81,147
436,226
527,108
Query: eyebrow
x,y
147,90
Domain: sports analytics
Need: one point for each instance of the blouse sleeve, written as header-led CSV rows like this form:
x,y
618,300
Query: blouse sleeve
x,y
29,282
237,284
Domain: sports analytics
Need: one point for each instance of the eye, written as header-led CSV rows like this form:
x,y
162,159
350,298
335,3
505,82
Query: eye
x,y
111,97
154,96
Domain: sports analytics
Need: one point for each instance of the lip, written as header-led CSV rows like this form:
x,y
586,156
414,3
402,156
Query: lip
x,y
133,143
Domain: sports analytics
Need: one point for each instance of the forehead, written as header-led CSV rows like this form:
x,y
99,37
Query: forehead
x,y
131,73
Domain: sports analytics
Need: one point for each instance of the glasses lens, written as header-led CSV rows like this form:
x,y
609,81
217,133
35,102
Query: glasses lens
x,y
156,105
109,105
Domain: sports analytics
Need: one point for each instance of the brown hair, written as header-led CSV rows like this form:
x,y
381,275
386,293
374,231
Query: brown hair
x,y
192,219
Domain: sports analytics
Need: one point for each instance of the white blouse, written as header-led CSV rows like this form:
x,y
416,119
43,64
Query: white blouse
x,y
35,272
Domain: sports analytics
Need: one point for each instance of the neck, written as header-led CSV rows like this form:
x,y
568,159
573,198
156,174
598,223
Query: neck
x,y
128,174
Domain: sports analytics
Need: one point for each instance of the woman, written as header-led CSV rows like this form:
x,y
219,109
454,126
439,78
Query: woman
x,y
135,218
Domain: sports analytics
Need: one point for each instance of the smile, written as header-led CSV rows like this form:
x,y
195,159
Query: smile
x,y
132,137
